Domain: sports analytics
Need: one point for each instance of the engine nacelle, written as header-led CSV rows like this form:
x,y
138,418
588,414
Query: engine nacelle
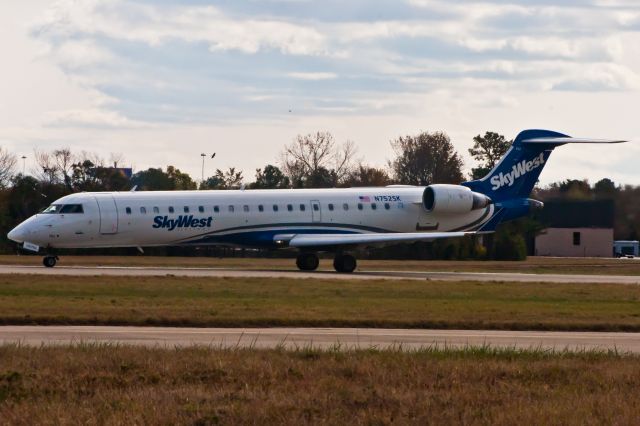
x,y
452,199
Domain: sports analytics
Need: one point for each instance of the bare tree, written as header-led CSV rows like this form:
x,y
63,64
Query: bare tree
x,y
64,161
116,159
316,159
47,168
7,166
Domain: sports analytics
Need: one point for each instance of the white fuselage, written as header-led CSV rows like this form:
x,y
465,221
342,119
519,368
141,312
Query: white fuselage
x,y
250,218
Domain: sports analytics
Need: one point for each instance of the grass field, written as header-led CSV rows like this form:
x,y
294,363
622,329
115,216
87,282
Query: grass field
x,y
92,384
533,265
238,302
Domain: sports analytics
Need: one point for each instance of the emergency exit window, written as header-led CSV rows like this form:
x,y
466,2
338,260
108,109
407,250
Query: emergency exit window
x,y
576,238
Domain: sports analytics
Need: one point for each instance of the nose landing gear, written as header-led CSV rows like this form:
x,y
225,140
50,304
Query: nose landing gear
x,y
50,261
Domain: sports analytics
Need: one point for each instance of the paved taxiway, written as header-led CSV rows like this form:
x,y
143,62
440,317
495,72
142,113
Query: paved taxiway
x,y
347,338
362,275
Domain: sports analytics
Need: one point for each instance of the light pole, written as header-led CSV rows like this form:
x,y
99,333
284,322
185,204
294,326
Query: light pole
x,y
202,155
24,159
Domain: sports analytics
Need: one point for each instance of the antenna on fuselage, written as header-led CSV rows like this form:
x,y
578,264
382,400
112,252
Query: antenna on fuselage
x,y
134,188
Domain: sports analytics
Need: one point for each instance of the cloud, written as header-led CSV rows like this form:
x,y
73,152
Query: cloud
x,y
168,61
81,53
93,118
313,76
602,77
136,22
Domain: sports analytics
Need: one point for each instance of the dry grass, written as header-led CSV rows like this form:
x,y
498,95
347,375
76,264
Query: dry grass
x,y
238,302
533,265
91,384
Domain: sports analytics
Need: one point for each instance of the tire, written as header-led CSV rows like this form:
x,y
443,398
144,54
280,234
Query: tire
x,y
307,262
345,263
49,261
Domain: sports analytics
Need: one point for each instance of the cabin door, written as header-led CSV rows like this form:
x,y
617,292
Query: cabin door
x,y
108,213
316,211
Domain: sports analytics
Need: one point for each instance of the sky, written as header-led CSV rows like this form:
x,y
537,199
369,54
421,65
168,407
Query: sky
x,y
163,81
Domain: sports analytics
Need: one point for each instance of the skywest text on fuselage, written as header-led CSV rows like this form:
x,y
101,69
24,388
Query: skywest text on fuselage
x,y
163,222
519,169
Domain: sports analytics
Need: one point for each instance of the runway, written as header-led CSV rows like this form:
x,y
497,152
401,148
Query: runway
x,y
359,275
291,338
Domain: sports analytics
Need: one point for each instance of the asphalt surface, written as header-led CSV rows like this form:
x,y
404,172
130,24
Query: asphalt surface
x,y
361,275
346,338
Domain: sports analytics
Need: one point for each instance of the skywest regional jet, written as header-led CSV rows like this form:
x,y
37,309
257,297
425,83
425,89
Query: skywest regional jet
x,y
309,220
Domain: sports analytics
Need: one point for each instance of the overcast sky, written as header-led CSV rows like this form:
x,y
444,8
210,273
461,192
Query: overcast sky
x,y
162,81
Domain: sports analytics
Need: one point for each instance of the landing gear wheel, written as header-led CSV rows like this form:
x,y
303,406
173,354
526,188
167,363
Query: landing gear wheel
x,y
307,261
50,261
345,263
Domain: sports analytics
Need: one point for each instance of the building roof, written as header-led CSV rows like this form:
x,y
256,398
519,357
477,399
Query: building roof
x,y
577,214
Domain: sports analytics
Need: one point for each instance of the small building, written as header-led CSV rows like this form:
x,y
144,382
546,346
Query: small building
x,y
575,229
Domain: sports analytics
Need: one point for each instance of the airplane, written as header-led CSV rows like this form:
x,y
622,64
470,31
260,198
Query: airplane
x,y
337,220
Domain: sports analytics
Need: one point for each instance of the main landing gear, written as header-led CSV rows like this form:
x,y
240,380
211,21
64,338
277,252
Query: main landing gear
x,y
344,263
50,261
307,261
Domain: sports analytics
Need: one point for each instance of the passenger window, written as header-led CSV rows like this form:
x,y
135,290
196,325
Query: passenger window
x,y
302,207
289,207
201,209
246,208
330,207
260,208
186,209
316,207
360,207
374,206
216,209
171,210
143,210
156,210
275,207
231,209
345,206
128,210
387,206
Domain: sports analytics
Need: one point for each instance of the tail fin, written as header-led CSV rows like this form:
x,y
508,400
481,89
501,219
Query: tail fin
x,y
517,173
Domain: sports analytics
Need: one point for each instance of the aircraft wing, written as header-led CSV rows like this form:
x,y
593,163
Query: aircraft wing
x,y
332,240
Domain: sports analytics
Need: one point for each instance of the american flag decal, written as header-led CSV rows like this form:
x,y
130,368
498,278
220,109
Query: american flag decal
x,y
364,199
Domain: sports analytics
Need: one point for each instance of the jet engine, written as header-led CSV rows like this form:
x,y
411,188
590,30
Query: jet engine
x,y
452,199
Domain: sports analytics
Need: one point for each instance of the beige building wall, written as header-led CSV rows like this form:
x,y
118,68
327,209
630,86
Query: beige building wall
x,y
592,242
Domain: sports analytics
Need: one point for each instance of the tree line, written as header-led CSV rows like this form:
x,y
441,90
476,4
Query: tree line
x,y
315,160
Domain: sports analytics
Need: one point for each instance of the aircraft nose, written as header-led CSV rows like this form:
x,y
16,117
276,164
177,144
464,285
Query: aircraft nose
x,y
17,234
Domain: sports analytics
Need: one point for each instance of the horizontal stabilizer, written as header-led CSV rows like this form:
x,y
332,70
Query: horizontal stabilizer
x,y
330,240
564,140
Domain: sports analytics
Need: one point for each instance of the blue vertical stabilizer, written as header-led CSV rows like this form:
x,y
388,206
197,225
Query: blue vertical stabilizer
x,y
511,181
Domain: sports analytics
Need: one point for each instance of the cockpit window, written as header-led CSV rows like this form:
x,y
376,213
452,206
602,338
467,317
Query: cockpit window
x,y
64,209
72,208
52,209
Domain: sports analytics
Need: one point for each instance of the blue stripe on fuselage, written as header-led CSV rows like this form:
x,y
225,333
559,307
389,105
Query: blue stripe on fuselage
x,y
258,239
288,227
